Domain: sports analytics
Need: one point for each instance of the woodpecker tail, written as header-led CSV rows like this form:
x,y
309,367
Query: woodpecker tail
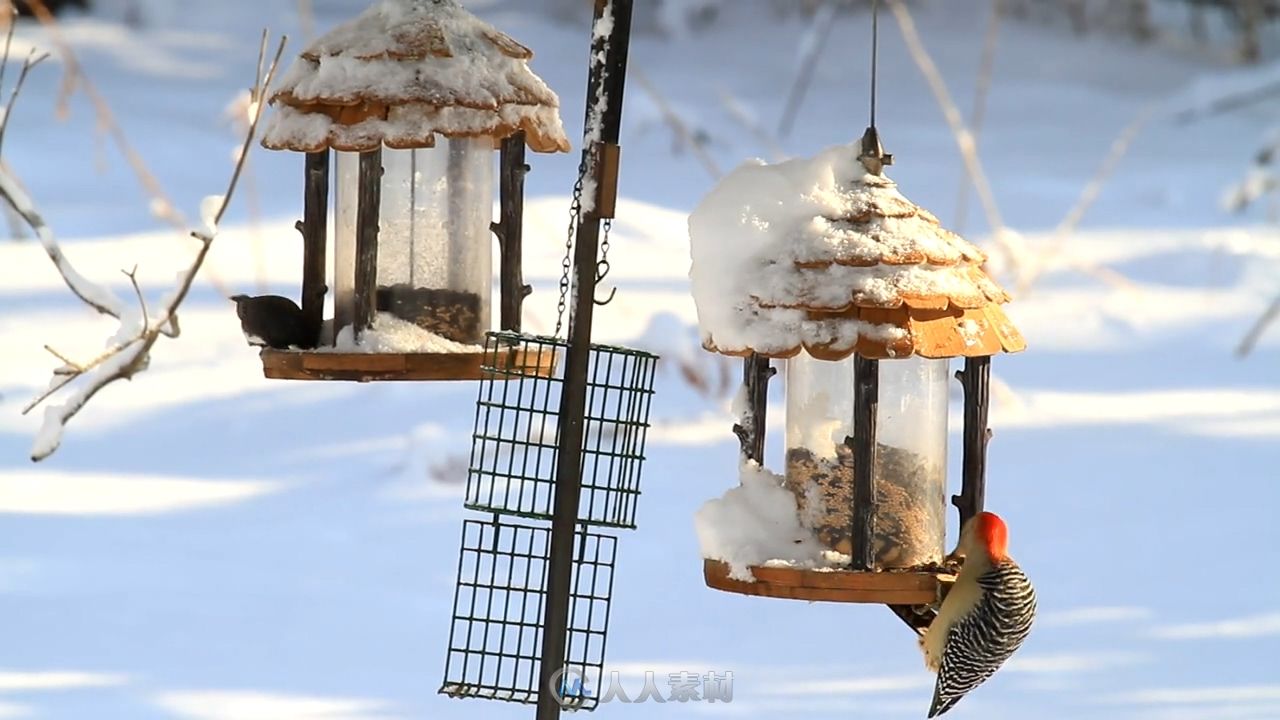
x,y
940,702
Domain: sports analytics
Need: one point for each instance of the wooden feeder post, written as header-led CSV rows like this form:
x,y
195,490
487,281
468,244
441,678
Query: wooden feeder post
x,y
510,230
369,200
315,217
413,98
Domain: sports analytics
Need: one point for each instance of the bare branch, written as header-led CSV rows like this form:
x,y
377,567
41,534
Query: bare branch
x,y
64,376
31,61
307,19
963,137
820,27
73,76
1255,333
1089,195
8,40
70,363
981,89
129,352
99,297
1014,254
677,123
142,303
739,113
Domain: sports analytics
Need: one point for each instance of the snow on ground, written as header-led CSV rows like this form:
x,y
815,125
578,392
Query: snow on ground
x,y
211,544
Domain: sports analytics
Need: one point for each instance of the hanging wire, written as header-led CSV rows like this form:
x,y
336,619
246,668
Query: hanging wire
x,y
873,156
875,51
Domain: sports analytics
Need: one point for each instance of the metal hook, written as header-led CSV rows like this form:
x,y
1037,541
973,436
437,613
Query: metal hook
x,y
602,270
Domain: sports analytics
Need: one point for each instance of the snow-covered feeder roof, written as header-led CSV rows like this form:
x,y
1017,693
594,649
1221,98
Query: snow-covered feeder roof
x,y
819,254
403,72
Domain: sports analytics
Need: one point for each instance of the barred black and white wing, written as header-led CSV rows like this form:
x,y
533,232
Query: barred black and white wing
x,y
980,642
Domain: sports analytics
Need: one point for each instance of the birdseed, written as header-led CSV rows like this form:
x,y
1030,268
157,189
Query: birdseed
x,y
909,522
451,314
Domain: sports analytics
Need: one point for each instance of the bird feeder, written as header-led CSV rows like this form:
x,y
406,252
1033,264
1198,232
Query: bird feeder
x,y
412,97
864,299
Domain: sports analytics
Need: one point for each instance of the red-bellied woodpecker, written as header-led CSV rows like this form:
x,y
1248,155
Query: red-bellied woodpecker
x,y
984,618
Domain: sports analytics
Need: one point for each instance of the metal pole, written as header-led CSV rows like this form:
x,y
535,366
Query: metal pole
x,y
606,78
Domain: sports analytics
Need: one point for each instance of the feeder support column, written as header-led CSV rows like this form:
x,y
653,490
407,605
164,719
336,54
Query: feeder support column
x,y
313,227
369,199
756,372
605,80
866,401
975,379
510,230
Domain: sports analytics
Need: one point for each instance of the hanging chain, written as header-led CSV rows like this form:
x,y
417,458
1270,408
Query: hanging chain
x,y
587,164
566,264
602,267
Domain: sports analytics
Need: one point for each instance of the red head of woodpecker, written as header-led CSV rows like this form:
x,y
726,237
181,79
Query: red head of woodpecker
x,y
985,617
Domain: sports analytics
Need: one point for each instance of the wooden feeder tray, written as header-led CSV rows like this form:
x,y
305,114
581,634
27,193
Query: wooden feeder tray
x,y
372,367
886,588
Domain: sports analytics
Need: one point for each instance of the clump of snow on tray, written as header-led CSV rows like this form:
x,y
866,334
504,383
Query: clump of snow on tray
x,y
770,242
756,523
390,334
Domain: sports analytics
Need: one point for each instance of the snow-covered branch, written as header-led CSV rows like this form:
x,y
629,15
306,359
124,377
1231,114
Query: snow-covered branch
x,y
128,350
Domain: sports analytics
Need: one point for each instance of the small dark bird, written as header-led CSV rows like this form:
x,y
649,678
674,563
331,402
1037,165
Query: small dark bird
x,y
273,321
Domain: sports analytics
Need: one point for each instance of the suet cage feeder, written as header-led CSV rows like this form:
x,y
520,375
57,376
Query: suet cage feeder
x,y
864,305
411,98
496,630
556,455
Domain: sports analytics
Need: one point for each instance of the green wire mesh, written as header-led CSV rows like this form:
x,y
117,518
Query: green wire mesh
x,y
514,443
495,642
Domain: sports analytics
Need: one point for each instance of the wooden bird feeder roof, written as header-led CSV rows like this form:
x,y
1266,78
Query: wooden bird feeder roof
x,y
880,277
403,72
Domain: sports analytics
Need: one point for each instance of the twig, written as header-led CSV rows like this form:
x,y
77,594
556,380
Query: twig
x,y
129,351
142,303
1119,147
963,137
307,20
73,76
820,27
70,363
1251,338
740,113
31,61
981,90
98,297
8,40
677,123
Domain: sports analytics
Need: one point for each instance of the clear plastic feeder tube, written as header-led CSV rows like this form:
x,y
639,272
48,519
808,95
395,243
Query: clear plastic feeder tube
x,y
345,207
435,248
909,522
